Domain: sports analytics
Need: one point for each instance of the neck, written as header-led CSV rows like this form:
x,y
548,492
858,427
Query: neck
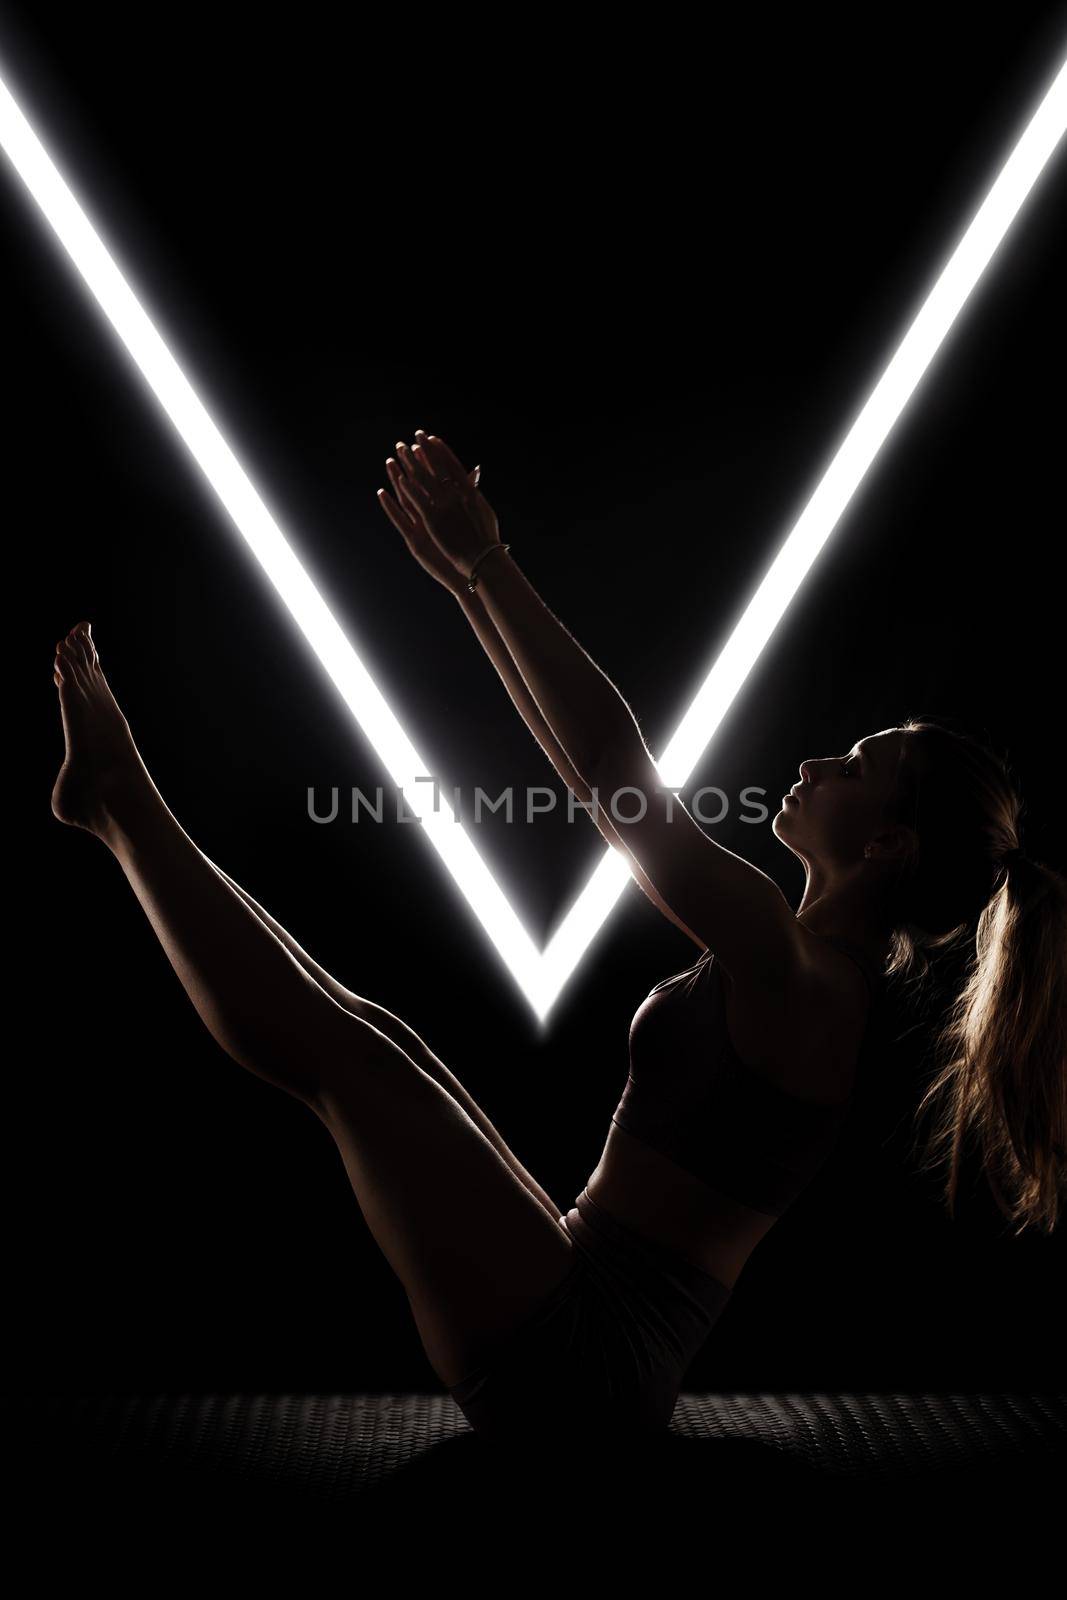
x,y
840,905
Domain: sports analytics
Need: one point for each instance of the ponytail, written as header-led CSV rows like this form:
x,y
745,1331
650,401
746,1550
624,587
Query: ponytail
x,y
999,1090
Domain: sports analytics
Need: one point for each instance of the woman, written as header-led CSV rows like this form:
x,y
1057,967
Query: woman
x,y
538,1322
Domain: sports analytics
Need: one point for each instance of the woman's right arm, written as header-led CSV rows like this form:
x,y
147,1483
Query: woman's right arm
x,y
527,706
418,540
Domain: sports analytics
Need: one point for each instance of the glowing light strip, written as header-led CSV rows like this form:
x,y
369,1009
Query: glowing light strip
x,y
540,975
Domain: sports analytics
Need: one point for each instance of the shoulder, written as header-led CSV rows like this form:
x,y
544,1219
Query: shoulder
x,y
714,895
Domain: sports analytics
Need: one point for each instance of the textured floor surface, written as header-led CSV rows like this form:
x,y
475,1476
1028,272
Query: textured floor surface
x,y
363,1449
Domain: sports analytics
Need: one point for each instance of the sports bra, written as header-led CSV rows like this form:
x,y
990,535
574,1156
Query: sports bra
x,y
689,1096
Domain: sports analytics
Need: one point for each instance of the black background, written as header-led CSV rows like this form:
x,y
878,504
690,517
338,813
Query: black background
x,y
646,276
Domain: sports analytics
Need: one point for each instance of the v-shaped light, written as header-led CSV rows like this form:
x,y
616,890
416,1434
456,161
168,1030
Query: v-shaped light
x,y
540,974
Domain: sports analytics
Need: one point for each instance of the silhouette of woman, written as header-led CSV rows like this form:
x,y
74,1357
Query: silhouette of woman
x,y
541,1323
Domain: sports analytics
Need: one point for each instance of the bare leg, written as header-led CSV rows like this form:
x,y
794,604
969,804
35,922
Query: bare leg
x,y
402,1034
257,1001
473,1246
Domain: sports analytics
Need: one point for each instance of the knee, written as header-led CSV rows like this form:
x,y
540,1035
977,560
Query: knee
x,y
312,1052
353,1065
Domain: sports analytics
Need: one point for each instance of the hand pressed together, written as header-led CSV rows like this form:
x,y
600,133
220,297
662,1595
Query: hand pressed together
x,y
445,520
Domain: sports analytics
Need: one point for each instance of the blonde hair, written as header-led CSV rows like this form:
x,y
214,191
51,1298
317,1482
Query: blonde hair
x,y
1000,1085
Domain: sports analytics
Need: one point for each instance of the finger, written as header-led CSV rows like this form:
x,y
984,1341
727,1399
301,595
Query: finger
x,y
396,516
414,502
418,469
399,522
413,496
445,463
439,477
406,490
421,437
398,479
438,474
401,518
428,478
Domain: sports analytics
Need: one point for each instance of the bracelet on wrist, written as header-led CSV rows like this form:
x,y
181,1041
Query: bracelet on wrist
x,y
472,577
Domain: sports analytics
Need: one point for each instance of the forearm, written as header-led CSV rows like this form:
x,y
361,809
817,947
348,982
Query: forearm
x,y
527,707
582,708
515,684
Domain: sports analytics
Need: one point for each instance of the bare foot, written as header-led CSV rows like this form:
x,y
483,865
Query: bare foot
x,y
101,768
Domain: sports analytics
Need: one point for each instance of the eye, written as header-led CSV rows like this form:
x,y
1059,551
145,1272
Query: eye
x,y
851,767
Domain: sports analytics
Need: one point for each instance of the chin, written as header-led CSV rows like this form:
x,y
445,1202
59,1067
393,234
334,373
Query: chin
x,y
784,829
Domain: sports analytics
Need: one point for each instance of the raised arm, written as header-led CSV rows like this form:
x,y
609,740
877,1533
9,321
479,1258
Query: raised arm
x,y
727,903
426,553
525,704
580,704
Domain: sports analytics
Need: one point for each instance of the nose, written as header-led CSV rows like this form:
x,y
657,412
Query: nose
x,y
807,770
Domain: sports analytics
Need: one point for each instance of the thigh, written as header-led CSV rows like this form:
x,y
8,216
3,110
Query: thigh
x,y
476,1251
401,1034
409,1041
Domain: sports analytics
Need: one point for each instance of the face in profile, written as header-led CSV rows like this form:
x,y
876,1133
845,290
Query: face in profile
x,y
840,804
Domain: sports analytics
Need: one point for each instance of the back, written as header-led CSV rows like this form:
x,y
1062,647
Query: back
x,y
689,1096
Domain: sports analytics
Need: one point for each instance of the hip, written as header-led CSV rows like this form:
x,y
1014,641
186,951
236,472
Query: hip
x,y
608,1349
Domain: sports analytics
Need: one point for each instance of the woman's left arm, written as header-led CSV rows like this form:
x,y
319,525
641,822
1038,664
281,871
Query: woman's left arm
x,y
721,900
584,710
581,705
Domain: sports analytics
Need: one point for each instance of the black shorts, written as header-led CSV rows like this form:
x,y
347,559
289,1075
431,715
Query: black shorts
x,y
606,1353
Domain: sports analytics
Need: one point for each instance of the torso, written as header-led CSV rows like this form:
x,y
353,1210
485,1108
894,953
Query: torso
x,y
806,1042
